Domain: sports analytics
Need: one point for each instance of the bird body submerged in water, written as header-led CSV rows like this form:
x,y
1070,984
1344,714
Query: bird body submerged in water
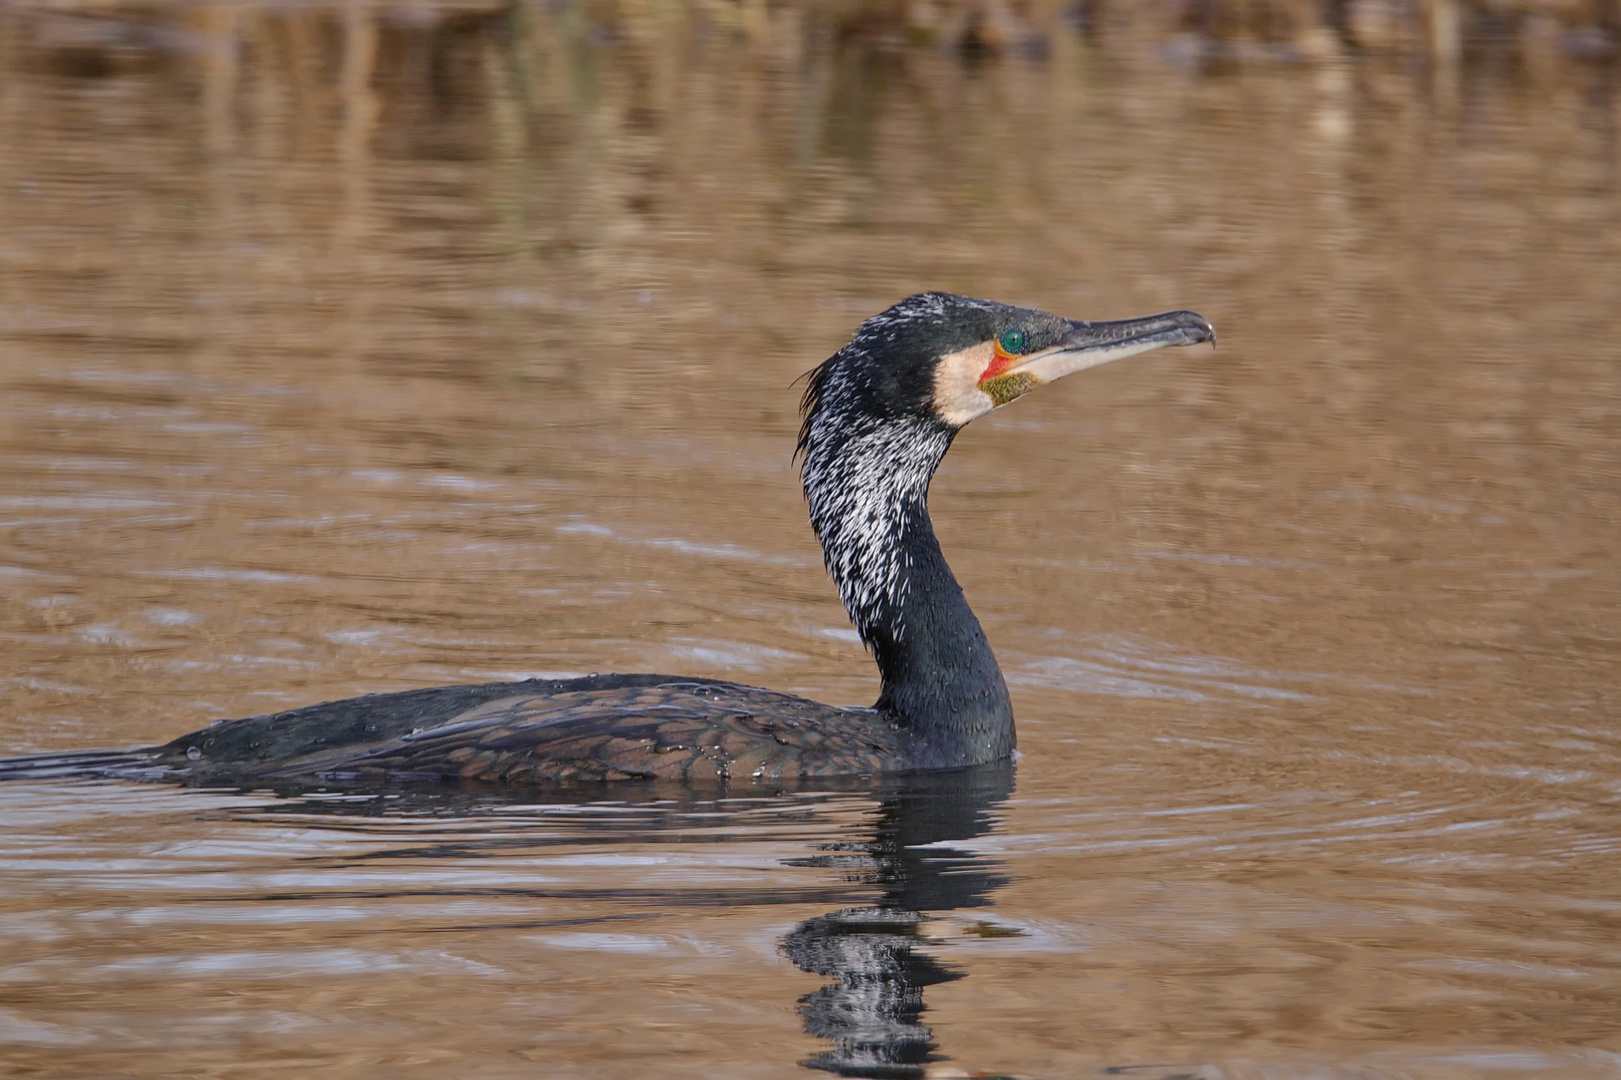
x,y
878,417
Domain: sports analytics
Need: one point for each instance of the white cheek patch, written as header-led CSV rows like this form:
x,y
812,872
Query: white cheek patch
x,y
957,396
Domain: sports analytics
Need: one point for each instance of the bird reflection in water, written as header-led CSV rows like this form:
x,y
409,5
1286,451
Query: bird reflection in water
x,y
872,1013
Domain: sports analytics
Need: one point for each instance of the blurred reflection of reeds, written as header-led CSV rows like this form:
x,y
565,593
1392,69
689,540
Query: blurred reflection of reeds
x,y
1446,31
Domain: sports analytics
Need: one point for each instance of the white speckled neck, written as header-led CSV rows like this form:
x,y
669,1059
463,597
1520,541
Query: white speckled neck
x,y
865,480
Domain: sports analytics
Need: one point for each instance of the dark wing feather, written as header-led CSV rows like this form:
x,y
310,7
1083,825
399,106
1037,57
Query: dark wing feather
x,y
618,727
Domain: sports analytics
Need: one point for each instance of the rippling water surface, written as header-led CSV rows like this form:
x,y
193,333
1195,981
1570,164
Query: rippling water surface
x,y
347,350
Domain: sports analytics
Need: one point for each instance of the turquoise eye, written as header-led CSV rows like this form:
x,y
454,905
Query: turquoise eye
x,y
1012,341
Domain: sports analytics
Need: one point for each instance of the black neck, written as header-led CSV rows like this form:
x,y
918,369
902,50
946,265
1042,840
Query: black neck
x,y
940,676
868,490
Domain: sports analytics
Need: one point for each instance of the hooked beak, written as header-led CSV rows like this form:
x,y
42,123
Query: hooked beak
x,y
1089,344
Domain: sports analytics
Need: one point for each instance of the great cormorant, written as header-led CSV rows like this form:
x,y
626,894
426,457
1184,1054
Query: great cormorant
x,y
878,417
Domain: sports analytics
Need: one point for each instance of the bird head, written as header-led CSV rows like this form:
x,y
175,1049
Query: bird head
x,y
951,359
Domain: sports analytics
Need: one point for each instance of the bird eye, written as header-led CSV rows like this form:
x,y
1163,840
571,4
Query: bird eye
x,y
1012,341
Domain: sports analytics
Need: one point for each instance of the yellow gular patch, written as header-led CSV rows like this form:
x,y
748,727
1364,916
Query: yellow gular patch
x,y
1005,388
957,394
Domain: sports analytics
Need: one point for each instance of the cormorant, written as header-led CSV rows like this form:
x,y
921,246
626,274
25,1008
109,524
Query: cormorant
x,y
878,416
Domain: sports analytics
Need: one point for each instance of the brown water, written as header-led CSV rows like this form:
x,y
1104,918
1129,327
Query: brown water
x,y
390,350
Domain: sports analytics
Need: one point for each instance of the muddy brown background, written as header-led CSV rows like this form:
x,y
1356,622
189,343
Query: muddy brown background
x,y
356,349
